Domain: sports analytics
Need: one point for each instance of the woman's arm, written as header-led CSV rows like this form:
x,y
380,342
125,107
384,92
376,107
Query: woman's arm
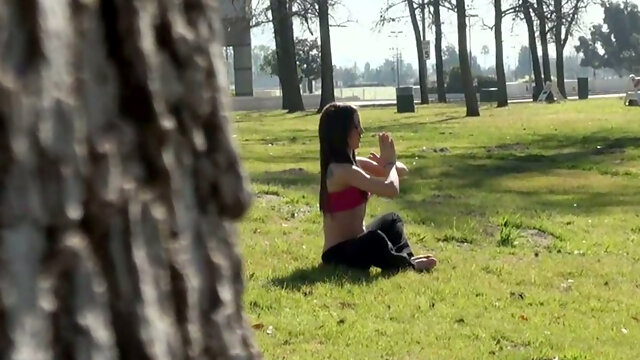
x,y
388,185
372,166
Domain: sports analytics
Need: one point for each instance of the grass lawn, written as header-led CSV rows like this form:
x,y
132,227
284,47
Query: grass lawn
x,y
533,212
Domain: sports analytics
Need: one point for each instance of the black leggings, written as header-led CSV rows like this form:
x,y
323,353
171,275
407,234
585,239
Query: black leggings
x,y
383,245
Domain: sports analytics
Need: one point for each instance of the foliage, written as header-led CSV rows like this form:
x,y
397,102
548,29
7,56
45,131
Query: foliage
x,y
307,59
615,43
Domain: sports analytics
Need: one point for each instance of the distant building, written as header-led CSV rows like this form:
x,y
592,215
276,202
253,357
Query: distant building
x,y
235,16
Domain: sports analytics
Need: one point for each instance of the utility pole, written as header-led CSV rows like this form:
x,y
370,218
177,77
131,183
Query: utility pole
x,y
395,34
424,41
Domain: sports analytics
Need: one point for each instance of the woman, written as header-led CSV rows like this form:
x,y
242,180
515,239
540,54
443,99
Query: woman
x,y
346,181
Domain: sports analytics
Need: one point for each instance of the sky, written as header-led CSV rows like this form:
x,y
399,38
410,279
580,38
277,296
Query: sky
x,y
358,42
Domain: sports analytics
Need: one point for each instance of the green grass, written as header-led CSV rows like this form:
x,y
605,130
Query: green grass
x,y
533,212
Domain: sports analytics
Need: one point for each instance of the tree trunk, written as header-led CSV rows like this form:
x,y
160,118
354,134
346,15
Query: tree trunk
x,y
557,31
327,95
502,79
546,65
470,97
309,85
118,184
533,48
442,95
286,54
422,73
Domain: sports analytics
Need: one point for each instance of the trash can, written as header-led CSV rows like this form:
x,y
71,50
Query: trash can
x,y
404,99
489,95
583,88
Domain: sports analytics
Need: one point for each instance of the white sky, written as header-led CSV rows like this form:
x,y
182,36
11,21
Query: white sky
x,y
359,42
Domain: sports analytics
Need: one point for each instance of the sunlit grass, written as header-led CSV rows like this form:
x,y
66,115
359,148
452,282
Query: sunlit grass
x,y
533,212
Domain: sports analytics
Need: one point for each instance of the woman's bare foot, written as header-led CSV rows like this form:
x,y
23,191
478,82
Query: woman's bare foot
x,y
425,256
424,263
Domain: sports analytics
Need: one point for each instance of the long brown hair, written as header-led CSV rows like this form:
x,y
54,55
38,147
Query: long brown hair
x,y
336,123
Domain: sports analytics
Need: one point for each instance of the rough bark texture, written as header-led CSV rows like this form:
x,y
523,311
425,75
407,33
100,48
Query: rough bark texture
x,y
327,94
286,54
442,94
502,79
118,184
470,98
533,48
422,69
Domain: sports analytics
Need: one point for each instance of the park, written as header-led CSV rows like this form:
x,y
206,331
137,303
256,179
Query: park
x,y
533,216
319,179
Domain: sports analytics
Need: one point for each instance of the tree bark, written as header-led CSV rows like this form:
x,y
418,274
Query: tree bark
x,y
286,54
327,95
533,48
470,97
502,79
118,184
442,94
422,73
546,65
557,32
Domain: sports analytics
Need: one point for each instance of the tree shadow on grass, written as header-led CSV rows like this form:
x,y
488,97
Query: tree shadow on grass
x,y
287,178
320,274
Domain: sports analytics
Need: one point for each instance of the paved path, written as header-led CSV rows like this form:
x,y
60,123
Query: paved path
x,y
460,98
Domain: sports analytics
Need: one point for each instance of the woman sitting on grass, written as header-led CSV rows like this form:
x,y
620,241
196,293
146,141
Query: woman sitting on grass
x,y
346,181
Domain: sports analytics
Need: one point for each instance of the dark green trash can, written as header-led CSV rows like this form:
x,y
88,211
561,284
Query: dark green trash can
x,y
583,88
404,99
489,95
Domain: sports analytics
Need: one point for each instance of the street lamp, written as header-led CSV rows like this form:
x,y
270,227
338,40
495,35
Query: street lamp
x,y
469,16
395,35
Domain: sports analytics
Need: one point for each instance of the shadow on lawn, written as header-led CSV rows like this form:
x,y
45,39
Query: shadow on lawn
x,y
290,177
321,273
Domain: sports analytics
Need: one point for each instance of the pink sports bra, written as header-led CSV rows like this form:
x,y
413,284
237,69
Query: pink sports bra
x,y
346,199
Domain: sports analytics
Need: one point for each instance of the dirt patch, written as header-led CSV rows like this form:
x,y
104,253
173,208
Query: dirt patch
x,y
538,237
507,147
535,237
441,197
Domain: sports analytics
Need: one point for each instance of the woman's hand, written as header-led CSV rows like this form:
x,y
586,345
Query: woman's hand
x,y
387,149
373,156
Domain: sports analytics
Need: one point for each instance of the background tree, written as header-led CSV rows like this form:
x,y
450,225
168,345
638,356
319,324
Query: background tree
x,y
566,15
309,62
541,14
119,183
285,50
422,66
470,97
497,32
327,95
525,8
615,44
437,25
523,66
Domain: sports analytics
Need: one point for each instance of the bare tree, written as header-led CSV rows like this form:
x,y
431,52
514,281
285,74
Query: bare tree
x,y
566,15
327,95
118,184
286,54
422,68
533,47
437,23
470,97
544,40
500,76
